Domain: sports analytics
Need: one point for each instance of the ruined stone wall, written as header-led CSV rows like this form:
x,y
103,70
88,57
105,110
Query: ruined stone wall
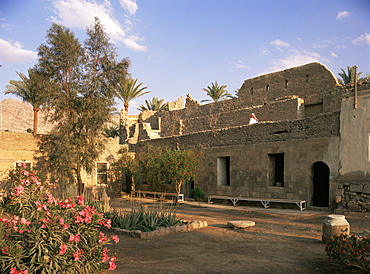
x,y
314,94
303,81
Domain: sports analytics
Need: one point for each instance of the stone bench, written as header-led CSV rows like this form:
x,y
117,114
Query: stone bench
x,y
265,201
158,195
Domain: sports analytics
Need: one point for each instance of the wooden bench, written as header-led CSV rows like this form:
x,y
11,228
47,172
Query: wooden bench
x,y
159,195
265,201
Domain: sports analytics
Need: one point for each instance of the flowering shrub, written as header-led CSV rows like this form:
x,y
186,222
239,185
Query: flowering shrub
x,y
351,250
41,234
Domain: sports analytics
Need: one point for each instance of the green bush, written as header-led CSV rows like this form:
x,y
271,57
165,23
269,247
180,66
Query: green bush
x,y
41,234
140,218
198,194
351,250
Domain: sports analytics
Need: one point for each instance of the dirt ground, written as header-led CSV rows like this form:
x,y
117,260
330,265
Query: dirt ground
x,y
282,241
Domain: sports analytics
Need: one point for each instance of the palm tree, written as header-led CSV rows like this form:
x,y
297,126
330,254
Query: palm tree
x,y
216,92
155,104
128,90
31,90
349,76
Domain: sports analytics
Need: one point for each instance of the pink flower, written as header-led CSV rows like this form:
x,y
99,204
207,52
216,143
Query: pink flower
x,y
5,249
25,172
77,254
63,249
106,223
80,200
22,164
61,221
105,256
65,226
75,239
102,238
111,263
14,270
19,190
115,239
25,222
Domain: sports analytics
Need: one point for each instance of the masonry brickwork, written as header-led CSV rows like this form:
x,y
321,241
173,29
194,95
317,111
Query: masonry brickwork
x,y
305,121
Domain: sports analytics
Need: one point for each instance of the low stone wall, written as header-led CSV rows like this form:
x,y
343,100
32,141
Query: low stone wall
x,y
160,231
353,197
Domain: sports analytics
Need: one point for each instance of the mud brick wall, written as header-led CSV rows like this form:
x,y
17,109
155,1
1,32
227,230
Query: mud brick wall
x,y
313,78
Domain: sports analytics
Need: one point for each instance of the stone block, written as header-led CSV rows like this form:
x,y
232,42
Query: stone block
x,y
352,206
366,189
356,188
339,191
241,224
338,199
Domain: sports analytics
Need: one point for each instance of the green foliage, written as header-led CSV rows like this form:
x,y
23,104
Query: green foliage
x,y
216,92
124,168
128,90
82,99
155,105
32,89
111,131
198,194
349,76
144,219
162,165
352,250
41,234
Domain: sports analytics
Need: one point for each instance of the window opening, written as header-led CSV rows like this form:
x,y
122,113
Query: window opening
x,y
251,90
286,83
267,88
223,171
277,169
102,173
307,78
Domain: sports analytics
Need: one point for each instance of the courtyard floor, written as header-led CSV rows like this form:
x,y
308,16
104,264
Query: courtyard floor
x,y
282,241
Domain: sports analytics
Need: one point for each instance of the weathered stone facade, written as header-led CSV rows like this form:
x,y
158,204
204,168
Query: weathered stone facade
x,y
302,148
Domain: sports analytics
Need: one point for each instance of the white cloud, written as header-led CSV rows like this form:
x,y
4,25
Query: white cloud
x,y
14,52
363,38
279,43
81,13
240,66
342,14
316,46
264,51
297,58
333,54
129,5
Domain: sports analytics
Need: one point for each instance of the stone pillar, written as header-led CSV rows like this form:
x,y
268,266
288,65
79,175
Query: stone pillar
x,y
334,225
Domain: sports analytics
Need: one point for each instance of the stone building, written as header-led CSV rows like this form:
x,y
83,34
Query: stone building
x,y
312,140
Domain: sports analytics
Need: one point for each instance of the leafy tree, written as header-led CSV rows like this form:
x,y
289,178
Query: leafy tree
x,y
82,99
124,169
162,165
31,89
155,104
217,92
128,90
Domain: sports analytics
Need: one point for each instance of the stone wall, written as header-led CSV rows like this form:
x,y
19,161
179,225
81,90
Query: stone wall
x,y
303,81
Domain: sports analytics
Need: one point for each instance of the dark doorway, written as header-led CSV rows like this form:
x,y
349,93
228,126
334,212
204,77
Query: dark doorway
x,y
321,174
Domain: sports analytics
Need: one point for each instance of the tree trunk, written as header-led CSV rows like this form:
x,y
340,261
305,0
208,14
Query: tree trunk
x,y
126,106
35,119
178,190
80,185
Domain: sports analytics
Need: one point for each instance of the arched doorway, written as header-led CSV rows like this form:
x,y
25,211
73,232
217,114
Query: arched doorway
x,y
321,174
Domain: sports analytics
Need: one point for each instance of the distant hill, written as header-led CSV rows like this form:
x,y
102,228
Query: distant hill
x,y
17,116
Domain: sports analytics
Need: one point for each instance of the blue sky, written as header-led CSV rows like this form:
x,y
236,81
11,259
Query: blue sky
x,y
178,47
